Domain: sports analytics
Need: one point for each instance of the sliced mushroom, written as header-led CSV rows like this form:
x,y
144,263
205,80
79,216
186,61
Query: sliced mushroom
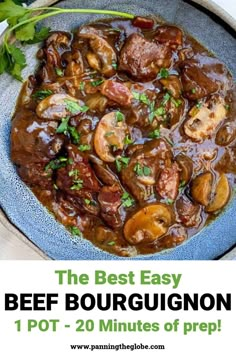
x,y
97,102
201,188
56,107
186,167
226,134
109,133
148,224
103,55
205,120
221,195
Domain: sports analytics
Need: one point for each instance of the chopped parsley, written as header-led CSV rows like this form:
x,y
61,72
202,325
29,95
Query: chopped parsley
x,y
154,134
169,201
41,94
227,107
81,85
199,105
87,201
166,98
128,140
59,72
141,97
75,231
193,90
56,164
182,186
177,102
164,73
160,111
115,66
78,184
73,173
96,82
142,171
111,243
127,200
74,108
84,147
122,162
119,116
63,127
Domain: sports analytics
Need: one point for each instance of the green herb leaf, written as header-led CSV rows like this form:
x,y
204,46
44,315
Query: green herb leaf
x,y
63,127
41,94
127,200
182,186
59,72
111,243
96,82
160,111
119,116
115,66
8,9
25,32
75,136
199,105
56,164
193,90
75,231
177,102
142,171
164,73
127,140
169,201
73,173
166,98
81,85
78,184
155,134
121,162
74,107
39,36
87,201
146,171
227,107
84,147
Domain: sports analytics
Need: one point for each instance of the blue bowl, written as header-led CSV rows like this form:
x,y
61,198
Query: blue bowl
x,y
21,206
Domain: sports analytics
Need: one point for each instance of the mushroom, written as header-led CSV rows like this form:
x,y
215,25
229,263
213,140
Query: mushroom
x,y
148,224
58,106
221,195
201,188
205,120
226,134
110,132
186,167
103,56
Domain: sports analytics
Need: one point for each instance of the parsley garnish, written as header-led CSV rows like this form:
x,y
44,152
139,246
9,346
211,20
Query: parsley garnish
x,y
127,140
182,186
169,201
122,162
63,127
127,200
59,72
84,147
193,90
78,184
114,65
74,107
111,243
141,97
164,73
75,231
119,116
142,171
56,164
155,134
166,98
227,107
96,82
81,85
177,102
41,94
199,105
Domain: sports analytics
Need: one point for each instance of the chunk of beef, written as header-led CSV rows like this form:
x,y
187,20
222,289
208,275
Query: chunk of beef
x,y
110,201
117,92
169,35
34,174
189,213
168,182
33,140
77,177
202,76
142,59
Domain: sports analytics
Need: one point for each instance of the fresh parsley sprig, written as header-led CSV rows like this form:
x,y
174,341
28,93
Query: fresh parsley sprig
x,y
22,23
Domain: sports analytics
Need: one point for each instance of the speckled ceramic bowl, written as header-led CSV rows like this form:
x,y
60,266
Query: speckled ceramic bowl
x,y
18,202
